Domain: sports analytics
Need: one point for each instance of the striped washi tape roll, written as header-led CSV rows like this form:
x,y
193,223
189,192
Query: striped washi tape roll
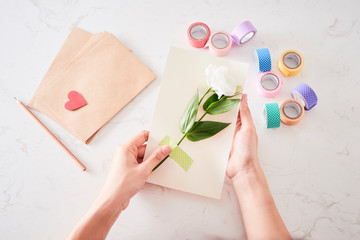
x,y
271,115
262,60
305,95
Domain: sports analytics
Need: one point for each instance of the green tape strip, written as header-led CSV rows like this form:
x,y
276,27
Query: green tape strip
x,y
167,141
272,112
179,156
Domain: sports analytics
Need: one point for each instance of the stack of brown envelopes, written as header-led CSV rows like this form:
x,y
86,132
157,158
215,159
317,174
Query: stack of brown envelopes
x,y
102,70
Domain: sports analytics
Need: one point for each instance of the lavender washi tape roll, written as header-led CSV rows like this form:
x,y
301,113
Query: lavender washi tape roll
x,y
305,95
243,33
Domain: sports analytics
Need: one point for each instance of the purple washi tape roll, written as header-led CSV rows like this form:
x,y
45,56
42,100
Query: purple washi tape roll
x,y
305,95
243,33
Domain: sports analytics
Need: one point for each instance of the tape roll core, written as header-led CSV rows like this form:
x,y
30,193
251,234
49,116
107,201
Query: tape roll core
x,y
292,60
220,44
291,63
220,40
243,33
247,37
265,116
305,95
270,82
298,97
198,32
291,112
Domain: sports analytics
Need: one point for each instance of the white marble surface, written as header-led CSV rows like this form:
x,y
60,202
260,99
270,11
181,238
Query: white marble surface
x,y
313,168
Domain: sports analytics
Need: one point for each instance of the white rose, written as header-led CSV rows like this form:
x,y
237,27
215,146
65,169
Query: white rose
x,y
220,82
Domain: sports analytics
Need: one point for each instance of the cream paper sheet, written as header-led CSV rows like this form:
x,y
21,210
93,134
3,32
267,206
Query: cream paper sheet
x,y
184,73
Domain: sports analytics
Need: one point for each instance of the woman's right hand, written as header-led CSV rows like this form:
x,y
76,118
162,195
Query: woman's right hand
x,y
244,152
260,216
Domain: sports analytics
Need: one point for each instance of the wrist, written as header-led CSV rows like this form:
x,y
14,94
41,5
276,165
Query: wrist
x,y
98,219
251,182
111,199
250,170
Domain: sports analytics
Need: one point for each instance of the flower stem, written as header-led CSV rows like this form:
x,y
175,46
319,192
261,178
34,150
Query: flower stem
x,y
197,123
183,137
209,89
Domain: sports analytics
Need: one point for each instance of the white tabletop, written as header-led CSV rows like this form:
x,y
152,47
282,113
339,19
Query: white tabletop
x,y
313,168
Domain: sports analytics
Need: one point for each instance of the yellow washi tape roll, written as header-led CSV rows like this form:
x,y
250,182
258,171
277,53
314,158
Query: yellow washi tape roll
x,y
291,112
290,63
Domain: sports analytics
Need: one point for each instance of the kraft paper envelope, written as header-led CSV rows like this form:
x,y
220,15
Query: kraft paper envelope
x,y
102,70
184,73
73,44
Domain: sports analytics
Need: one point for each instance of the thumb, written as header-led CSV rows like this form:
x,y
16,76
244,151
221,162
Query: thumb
x,y
156,157
245,114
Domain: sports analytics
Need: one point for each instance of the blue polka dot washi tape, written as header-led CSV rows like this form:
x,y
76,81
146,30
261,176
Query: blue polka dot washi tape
x,y
305,95
272,115
262,60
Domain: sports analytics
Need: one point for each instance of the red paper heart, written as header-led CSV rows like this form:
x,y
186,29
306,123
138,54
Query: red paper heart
x,y
75,101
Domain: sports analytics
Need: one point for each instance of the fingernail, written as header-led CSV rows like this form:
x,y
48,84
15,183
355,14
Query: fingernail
x,y
245,97
165,149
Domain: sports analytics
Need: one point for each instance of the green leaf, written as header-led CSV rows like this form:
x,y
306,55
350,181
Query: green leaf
x,y
187,119
210,100
205,129
222,106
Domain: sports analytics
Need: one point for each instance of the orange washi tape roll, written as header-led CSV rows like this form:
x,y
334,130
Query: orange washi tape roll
x,y
290,63
291,112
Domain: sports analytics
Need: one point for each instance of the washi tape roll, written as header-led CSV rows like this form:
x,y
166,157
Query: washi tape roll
x,y
291,112
271,115
243,33
220,44
269,84
290,63
198,34
262,60
305,95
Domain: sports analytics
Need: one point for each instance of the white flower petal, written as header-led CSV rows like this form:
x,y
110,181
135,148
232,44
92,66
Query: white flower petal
x,y
218,79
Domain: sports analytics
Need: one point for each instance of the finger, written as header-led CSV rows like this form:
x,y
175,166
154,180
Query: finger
x,y
155,158
245,114
141,151
139,139
238,122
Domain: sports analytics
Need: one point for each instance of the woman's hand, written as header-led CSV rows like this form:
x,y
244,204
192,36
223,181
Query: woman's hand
x,y
260,216
243,154
128,171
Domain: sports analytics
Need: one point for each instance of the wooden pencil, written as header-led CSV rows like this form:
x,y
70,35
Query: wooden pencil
x,y
50,134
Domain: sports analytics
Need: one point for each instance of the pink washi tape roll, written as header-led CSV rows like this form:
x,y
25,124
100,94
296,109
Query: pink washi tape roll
x,y
269,84
243,33
198,34
220,43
